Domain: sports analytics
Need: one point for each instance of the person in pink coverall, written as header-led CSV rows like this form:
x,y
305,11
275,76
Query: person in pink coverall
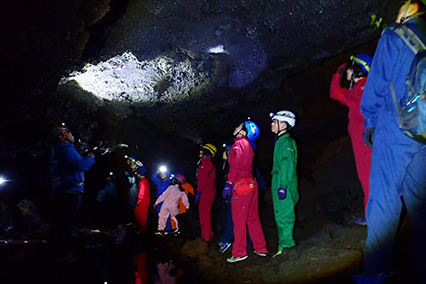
x,y
244,202
347,87
170,207
206,191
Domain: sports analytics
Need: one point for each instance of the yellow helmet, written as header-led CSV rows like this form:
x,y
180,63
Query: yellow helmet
x,y
211,148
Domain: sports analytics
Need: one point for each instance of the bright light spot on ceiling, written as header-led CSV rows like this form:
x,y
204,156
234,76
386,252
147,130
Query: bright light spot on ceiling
x,y
125,78
217,50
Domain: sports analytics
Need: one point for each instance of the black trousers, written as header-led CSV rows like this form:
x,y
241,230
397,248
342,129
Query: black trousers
x,y
65,215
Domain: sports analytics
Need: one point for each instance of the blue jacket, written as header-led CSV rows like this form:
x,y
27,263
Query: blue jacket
x,y
391,63
162,185
109,190
67,168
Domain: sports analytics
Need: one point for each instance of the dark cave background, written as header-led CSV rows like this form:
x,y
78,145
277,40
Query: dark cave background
x,y
282,55
44,40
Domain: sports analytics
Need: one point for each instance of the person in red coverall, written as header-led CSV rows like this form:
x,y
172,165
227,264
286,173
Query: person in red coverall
x,y
243,189
206,191
141,274
347,87
144,198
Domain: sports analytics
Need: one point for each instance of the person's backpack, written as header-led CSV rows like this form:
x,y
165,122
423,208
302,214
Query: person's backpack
x,y
411,109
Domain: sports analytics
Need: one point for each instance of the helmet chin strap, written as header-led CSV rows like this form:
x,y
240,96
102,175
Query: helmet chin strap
x,y
280,130
403,18
239,132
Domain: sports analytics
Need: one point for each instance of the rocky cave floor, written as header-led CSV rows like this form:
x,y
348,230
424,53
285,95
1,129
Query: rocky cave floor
x,y
329,250
329,246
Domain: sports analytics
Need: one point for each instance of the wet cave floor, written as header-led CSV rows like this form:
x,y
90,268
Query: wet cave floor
x,y
331,253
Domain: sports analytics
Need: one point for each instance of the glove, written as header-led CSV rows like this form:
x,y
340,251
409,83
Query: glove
x,y
342,69
227,191
197,198
368,134
282,193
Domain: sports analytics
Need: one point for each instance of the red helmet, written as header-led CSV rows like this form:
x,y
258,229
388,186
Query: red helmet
x,y
180,178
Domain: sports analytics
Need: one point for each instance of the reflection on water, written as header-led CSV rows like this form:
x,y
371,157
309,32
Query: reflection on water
x,y
165,272
139,261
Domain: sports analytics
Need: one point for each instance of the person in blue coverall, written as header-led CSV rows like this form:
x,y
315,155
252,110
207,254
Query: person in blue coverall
x,y
398,169
162,180
110,190
67,168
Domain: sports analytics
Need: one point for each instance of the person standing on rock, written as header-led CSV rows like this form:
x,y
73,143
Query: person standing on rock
x,y
67,168
162,180
132,193
397,178
206,190
144,198
170,208
347,87
242,188
284,179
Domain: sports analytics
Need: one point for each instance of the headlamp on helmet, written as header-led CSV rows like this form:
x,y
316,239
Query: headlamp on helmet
x,y
63,129
162,169
3,180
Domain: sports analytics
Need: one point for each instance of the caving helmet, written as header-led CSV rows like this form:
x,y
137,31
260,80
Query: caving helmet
x,y
227,148
253,131
404,14
211,148
134,159
286,116
363,60
142,170
60,130
111,176
181,178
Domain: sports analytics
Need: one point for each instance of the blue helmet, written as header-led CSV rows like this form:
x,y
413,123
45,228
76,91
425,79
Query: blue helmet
x,y
363,60
142,170
253,131
134,159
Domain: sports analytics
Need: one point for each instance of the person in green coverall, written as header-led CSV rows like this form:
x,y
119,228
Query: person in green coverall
x,y
284,178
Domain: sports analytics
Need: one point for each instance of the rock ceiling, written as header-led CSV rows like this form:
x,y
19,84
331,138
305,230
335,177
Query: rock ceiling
x,y
182,67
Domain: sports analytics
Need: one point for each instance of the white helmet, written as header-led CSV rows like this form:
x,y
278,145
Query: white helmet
x,y
286,116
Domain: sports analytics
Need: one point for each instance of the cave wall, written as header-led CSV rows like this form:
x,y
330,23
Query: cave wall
x,y
278,54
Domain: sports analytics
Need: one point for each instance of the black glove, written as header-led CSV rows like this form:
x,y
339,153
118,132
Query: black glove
x,y
368,135
342,69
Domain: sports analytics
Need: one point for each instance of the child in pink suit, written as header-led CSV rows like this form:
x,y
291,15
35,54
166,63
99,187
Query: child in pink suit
x,y
170,207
